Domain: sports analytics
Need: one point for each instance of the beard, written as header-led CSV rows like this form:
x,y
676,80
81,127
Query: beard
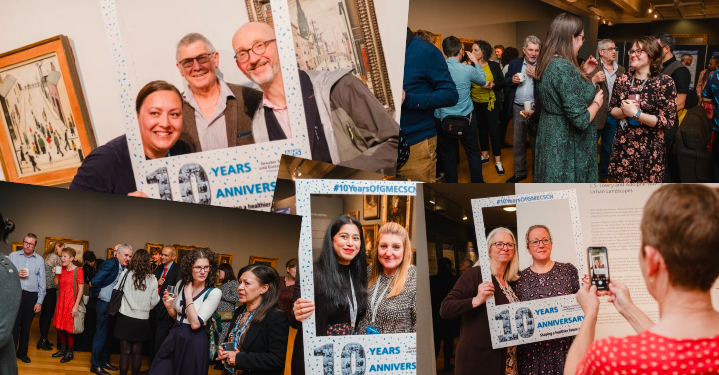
x,y
267,75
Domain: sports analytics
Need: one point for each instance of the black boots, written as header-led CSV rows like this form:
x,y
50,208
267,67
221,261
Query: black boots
x,y
62,348
68,355
44,344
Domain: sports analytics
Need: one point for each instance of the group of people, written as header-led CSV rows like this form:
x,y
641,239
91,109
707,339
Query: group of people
x,y
679,229
346,124
559,108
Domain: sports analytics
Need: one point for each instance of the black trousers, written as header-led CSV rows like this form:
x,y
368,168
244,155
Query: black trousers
x,y
448,149
489,128
160,325
47,312
23,321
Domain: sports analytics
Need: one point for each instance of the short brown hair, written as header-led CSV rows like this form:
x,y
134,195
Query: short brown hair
x,y
682,222
70,251
533,227
292,263
651,46
153,87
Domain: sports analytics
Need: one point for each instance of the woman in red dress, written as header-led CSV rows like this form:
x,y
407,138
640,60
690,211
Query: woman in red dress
x,y
67,304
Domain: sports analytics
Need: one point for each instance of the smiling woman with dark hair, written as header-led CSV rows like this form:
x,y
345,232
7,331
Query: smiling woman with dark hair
x,y
340,280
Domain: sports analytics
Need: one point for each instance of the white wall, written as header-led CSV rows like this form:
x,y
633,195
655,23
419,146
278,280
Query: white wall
x,y
150,31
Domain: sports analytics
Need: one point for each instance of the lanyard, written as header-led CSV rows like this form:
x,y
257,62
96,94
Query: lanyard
x,y
238,334
375,304
641,88
353,304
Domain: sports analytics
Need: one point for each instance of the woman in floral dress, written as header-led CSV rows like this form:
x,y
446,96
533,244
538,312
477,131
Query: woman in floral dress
x,y
644,102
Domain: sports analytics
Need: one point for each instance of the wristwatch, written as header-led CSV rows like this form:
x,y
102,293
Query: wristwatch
x,y
639,113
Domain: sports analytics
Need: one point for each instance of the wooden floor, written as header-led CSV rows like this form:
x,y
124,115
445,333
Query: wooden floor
x,y
488,171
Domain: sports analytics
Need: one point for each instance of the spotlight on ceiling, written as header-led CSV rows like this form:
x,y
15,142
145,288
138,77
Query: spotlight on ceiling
x,y
464,215
655,15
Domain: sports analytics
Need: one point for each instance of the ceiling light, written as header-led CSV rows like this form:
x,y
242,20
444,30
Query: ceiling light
x,y
655,15
610,23
464,215
510,209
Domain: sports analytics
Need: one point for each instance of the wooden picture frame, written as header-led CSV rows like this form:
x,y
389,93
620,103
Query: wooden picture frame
x,y
182,250
17,246
690,39
80,246
354,214
110,253
356,18
43,116
371,206
272,262
222,259
150,247
398,208
369,232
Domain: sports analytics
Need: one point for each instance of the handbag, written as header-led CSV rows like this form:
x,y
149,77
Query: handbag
x,y
225,316
113,307
78,323
454,126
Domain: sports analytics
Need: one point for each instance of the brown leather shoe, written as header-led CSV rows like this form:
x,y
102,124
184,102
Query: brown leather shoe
x,y
98,370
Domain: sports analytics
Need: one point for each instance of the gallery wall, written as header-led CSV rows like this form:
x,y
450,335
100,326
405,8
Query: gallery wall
x,y
106,220
150,31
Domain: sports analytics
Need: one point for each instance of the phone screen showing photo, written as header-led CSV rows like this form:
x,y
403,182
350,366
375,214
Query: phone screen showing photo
x,y
599,267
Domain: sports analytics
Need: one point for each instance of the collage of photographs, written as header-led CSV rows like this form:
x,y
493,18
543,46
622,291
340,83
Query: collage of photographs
x,y
289,187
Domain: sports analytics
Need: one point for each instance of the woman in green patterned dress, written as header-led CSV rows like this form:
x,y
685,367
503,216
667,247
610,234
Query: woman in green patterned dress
x,y
566,139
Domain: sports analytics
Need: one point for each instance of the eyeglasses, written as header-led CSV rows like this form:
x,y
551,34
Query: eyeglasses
x,y
258,48
29,243
610,49
201,59
503,245
545,241
201,269
637,52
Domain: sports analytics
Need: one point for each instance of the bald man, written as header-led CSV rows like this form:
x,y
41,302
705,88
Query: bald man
x,y
346,124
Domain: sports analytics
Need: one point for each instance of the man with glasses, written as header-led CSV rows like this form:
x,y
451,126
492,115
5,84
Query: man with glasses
x,y
105,279
346,124
31,269
160,321
215,114
604,75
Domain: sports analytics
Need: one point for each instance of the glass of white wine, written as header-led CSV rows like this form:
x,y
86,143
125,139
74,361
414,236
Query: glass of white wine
x,y
171,291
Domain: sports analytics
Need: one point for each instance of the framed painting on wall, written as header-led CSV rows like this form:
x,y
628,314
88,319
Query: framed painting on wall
x,y
333,36
397,208
17,246
354,214
110,253
371,207
369,232
272,262
152,247
45,127
182,250
80,246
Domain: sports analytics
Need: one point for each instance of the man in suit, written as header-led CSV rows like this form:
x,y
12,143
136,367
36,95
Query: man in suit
x,y
168,273
604,75
102,284
215,114
522,89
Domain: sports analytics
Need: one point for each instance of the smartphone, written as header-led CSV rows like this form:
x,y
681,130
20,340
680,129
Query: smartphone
x,y
228,346
598,267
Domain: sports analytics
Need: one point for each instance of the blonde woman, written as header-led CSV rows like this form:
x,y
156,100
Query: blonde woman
x,y
52,260
392,285
466,301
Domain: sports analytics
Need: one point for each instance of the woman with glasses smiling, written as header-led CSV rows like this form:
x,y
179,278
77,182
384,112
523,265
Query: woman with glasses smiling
x,y
645,103
187,348
543,279
466,301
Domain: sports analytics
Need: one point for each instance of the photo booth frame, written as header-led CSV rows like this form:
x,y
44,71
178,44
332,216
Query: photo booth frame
x,y
538,320
334,354
240,177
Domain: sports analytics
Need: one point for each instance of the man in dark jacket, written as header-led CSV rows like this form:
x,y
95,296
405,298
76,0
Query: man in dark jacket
x,y
167,274
427,86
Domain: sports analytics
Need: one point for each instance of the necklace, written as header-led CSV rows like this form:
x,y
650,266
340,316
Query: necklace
x,y
212,106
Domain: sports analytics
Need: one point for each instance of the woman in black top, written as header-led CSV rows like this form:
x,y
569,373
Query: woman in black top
x,y
340,280
259,328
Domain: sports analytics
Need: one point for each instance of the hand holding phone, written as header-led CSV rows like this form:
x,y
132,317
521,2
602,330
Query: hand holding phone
x,y
228,346
598,267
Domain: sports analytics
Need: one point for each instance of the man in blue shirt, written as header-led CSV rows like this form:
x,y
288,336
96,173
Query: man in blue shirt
x,y
427,86
463,77
31,269
711,95
102,284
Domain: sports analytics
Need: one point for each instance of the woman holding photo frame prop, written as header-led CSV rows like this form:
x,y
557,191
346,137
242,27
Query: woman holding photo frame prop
x,y
381,353
468,300
542,319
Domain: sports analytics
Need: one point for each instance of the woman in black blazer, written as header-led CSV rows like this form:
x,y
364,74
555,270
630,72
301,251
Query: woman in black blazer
x,y
259,328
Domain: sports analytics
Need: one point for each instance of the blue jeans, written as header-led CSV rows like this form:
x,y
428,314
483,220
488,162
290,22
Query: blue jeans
x,y
100,347
607,137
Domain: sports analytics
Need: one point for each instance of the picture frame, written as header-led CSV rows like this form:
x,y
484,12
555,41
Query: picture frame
x,y
268,261
436,38
357,18
182,250
80,246
225,258
371,207
53,130
369,232
354,214
398,208
150,247
110,253
17,246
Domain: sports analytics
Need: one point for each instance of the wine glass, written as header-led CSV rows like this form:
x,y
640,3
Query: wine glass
x,y
171,291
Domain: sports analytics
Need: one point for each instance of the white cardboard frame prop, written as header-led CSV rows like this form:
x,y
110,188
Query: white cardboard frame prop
x,y
384,353
538,320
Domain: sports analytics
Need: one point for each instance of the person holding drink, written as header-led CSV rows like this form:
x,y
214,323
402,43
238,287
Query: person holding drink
x,y
71,283
167,275
53,268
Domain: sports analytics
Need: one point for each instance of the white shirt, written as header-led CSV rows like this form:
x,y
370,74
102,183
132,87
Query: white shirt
x,y
211,131
204,309
138,303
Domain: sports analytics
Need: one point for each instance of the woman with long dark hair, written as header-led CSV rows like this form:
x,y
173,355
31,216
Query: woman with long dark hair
x,y
52,260
186,349
259,327
644,101
139,286
567,137
340,279
229,292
